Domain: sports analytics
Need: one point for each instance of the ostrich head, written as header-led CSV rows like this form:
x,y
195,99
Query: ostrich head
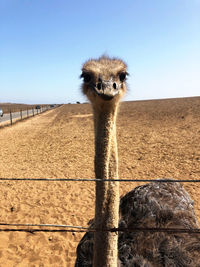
x,y
104,80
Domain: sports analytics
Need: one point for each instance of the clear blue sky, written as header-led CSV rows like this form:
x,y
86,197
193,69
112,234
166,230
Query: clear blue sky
x,y
43,44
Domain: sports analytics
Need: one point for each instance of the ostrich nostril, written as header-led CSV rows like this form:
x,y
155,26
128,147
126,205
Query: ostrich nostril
x,y
114,86
99,85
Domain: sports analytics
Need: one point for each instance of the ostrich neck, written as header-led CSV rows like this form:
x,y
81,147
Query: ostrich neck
x,y
105,145
107,193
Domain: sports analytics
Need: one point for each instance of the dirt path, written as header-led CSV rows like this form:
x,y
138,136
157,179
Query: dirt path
x,y
156,139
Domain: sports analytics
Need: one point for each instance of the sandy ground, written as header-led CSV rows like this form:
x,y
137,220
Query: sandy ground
x,y
156,139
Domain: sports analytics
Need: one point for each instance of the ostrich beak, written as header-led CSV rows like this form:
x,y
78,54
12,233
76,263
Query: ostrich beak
x,y
107,90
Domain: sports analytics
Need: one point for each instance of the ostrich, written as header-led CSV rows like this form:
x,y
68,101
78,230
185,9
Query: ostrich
x,y
104,85
152,205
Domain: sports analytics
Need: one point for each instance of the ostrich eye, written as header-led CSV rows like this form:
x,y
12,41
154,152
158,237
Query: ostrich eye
x,y
86,77
122,76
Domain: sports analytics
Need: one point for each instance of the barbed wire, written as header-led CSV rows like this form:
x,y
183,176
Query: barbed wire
x,y
159,180
79,229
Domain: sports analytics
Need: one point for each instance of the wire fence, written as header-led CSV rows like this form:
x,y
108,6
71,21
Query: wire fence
x,y
13,116
31,228
169,180
80,229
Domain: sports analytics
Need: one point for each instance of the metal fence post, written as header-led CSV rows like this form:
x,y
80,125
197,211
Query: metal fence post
x,y
21,113
27,113
33,111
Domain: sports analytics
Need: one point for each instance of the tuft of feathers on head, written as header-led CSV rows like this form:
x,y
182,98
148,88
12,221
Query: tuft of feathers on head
x,y
104,63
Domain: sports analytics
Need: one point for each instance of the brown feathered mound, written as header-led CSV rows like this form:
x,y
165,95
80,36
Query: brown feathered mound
x,y
157,204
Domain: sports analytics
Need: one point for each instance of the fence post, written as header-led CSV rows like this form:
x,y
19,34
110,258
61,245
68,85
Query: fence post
x,y
37,110
21,113
27,113
33,111
10,117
